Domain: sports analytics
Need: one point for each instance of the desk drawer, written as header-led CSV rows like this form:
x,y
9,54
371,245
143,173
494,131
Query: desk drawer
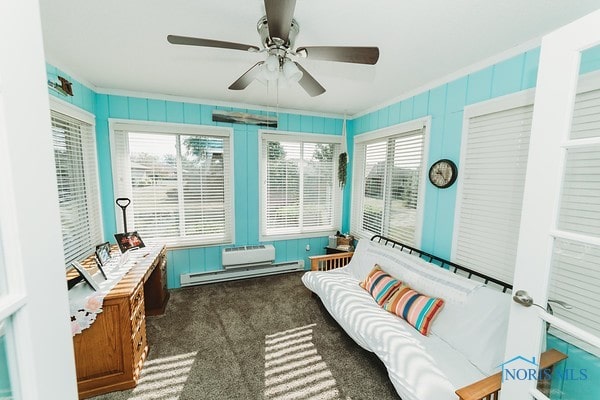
x,y
137,298
139,344
137,319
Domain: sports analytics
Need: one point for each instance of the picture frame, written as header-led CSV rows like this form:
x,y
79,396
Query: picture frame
x,y
87,277
99,265
73,277
129,241
102,256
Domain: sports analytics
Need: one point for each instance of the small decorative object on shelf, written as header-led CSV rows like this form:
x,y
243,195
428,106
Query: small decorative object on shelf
x,y
340,243
345,243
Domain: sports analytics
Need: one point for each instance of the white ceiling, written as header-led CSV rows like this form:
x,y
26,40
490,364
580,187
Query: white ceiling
x,y
121,46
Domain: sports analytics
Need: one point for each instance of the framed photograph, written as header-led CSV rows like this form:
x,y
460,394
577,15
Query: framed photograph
x,y
102,256
128,241
103,252
87,277
73,277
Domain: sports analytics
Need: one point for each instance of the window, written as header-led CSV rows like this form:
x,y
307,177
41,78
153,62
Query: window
x,y
179,182
77,177
300,194
387,183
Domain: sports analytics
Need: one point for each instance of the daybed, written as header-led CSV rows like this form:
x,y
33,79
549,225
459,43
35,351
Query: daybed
x,y
466,340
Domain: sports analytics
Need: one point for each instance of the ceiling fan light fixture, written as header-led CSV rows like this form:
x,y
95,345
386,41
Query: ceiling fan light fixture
x,y
272,63
291,71
269,70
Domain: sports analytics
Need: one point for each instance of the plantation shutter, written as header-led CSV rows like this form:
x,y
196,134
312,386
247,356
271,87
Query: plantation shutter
x,y
179,185
388,173
76,174
300,191
492,191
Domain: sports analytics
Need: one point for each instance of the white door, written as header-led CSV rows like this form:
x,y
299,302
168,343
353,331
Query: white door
x,y
36,348
560,231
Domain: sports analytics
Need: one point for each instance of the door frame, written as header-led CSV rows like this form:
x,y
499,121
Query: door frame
x,y
35,305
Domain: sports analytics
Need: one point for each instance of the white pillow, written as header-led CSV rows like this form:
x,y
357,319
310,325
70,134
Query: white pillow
x,y
419,274
476,328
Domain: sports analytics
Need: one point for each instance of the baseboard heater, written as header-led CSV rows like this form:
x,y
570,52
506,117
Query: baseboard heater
x,y
200,278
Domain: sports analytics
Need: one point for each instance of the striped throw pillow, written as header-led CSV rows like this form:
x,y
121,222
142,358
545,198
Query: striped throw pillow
x,y
415,308
380,284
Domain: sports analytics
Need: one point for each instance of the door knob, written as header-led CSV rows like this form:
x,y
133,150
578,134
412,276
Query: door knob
x,y
523,298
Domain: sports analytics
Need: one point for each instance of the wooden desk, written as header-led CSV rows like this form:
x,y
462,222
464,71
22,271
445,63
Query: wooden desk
x,y
109,354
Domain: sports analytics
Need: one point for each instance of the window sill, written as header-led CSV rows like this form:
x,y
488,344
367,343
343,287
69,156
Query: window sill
x,y
182,245
291,236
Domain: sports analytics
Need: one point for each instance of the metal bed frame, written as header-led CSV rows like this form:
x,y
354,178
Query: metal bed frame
x,y
442,262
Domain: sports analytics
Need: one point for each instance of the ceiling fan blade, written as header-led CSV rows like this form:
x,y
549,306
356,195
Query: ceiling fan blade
x,y
279,18
247,78
358,55
193,41
308,83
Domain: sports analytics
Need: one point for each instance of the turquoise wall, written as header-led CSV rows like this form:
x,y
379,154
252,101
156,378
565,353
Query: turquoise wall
x,y
445,104
246,169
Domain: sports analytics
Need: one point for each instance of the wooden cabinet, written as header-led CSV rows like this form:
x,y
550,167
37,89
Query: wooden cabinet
x,y
109,354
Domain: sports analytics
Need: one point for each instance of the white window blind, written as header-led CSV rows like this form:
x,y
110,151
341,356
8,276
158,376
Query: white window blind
x,y
492,191
387,176
78,197
179,184
300,191
489,218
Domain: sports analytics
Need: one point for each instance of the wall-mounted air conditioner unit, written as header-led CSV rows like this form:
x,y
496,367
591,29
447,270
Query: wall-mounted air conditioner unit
x,y
245,256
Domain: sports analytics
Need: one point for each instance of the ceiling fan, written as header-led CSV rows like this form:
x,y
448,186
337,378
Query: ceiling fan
x,y
278,30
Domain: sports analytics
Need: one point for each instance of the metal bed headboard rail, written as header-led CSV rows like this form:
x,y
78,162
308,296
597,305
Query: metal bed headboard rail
x,y
443,263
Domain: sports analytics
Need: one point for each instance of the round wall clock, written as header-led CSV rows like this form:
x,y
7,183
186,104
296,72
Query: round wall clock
x,y
443,173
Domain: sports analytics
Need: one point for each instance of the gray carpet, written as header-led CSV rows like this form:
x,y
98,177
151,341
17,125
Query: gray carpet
x,y
263,338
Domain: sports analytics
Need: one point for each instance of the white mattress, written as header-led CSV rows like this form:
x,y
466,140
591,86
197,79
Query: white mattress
x,y
420,367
